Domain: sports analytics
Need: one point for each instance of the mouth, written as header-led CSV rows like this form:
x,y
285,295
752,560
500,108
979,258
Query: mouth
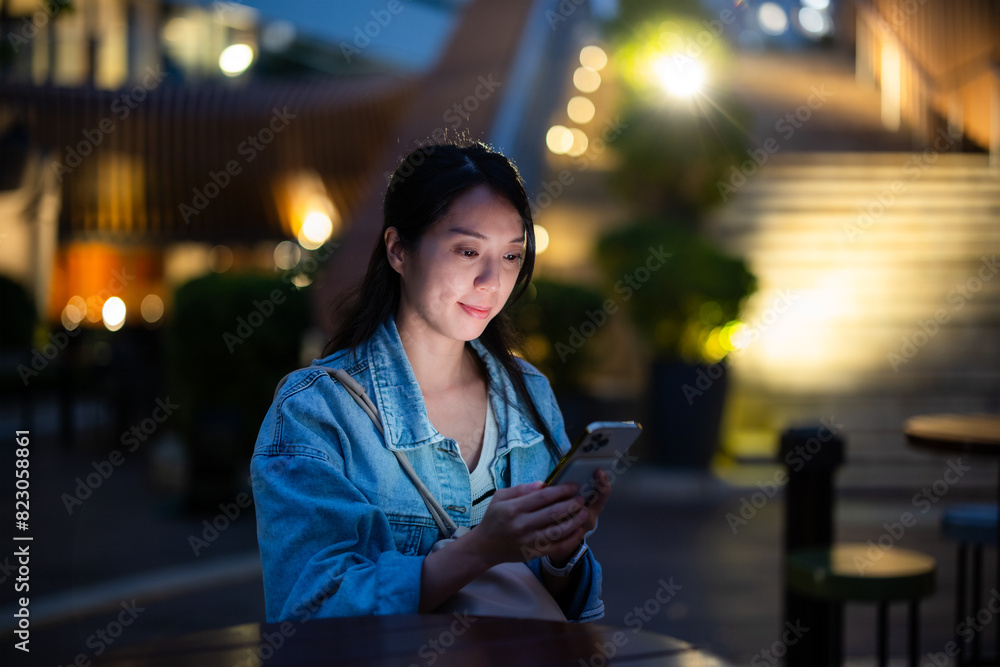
x,y
478,313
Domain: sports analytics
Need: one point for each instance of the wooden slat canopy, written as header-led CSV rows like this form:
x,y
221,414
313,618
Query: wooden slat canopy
x,y
131,160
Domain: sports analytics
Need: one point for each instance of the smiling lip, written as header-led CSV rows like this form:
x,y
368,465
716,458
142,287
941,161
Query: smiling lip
x,y
478,313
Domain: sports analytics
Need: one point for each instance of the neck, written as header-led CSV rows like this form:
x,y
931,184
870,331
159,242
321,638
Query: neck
x,y
438,363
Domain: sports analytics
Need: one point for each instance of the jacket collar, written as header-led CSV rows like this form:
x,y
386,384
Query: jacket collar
x,y
401,403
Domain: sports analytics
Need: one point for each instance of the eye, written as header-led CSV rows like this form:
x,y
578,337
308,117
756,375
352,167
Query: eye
x,y
465,252
513,257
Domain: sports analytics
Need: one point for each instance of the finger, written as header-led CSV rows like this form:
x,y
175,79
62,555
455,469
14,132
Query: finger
x,y
554,541
566,513
603,481
567,545
544,497
518,491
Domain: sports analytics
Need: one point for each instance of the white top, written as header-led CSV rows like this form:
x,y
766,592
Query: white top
x,y
481,479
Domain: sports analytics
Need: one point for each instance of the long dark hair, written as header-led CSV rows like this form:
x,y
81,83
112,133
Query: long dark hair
x,y
421,191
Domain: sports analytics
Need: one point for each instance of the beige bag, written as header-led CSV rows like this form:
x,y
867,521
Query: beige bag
x,y
509,589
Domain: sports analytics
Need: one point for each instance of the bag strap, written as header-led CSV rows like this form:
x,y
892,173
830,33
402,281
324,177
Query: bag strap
x,y
444,522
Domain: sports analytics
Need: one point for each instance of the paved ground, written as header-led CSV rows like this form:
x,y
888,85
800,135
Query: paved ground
x,y
123,543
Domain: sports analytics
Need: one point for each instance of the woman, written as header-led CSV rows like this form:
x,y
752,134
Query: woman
x,y
342,529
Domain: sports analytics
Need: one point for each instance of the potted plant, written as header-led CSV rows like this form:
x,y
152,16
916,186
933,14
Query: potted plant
x,y
231,338
683,296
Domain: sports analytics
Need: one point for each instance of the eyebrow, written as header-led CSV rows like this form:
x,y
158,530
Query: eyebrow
x,y
469,232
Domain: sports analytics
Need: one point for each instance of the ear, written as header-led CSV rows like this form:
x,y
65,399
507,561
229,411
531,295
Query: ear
x,y
394,250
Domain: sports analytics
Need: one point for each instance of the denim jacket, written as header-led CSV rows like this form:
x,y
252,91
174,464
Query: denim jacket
x,y
342,530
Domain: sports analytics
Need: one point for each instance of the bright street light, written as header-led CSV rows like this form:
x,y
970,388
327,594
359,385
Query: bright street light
x,y
679,74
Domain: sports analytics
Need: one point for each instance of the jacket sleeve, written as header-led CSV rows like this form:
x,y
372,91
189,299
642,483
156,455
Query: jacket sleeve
x,y
325,550
586,603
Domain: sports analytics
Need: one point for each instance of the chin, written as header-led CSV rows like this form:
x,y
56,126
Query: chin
x,y
470,330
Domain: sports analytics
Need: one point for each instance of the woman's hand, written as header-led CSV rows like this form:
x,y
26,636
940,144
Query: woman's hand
x,y
595,499
522,522
530,520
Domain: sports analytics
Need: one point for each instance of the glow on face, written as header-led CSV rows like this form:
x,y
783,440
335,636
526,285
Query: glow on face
x,y
465,267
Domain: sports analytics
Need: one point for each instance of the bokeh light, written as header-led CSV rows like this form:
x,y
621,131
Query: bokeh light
x,y
580,110
220,259
593,57
235,59
316,229
287,255
541,239
679,74
813,22
580,142
559,139
151,308
113,313
92,311
74,312
772,18
586,80
71,317
177,29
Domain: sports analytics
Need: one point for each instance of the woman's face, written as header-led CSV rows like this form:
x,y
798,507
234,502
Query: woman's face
x,y
463,269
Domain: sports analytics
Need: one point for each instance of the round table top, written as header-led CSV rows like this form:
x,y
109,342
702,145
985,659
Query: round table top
x,y
439,639
850,571
973,433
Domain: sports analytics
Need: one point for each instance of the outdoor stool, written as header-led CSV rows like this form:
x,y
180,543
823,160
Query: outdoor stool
x,y
852,572
974,525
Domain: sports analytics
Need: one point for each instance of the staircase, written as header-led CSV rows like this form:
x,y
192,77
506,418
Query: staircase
x,y
878,299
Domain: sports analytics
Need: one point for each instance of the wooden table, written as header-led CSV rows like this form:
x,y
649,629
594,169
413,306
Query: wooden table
x,y
974,434
408,641
977,434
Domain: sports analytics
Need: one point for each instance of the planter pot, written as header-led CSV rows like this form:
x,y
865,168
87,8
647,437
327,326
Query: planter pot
x,y
684,413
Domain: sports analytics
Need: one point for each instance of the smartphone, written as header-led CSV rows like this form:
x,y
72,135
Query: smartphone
x,y
600,446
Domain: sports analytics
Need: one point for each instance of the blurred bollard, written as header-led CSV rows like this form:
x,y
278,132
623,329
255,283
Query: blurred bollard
x,y
812,455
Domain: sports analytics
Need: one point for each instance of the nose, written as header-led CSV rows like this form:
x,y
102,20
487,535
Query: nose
x,y
488,279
